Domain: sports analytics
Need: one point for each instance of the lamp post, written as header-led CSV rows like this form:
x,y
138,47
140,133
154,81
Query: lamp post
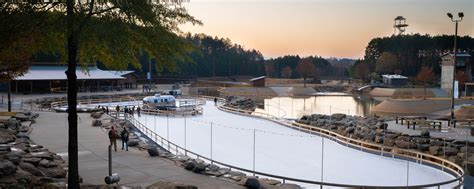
x,y
461,15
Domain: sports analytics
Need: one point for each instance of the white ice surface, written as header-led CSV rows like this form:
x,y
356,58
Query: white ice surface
x,y
284,151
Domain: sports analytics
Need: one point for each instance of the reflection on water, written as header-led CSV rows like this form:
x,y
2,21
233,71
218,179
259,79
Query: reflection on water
x,y
293,107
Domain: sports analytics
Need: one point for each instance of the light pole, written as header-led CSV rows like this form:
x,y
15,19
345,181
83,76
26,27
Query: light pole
x,y
461,15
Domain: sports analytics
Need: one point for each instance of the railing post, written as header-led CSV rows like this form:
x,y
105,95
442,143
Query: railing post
x,y
322,161
211,144
254,147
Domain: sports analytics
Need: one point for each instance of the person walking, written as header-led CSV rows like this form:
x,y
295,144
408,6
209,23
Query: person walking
x,y
124,137
113,137
215,101
107,110
117,108
138,111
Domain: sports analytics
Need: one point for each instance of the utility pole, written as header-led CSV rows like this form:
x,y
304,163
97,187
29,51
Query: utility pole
x,y
461,15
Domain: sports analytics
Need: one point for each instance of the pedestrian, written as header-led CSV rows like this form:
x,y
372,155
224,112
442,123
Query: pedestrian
x,y
124,137
125,110
103,109
113,137
138,111
215,101
117,108
107,110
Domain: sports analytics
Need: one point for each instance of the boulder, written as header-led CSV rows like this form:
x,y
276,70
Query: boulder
x,y
405,145
189,165
423,147
391,135
153,151
32,160
435,150
96,122
469,149
6,136
43,155
54,172
389,142
47,163
13,157
320,122
369,136
4,148
419,140
7,168
438,143
338,116
449,151
378,139
24,128
22,135
404,138
425,134
30,168
349,130
252,183
97,115
133,142
199,167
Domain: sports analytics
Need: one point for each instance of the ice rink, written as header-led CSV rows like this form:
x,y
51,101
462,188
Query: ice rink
x,y
284,151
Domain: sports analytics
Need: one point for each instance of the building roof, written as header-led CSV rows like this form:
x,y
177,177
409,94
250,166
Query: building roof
x,y
120,72
394,76
258,78
459,54
58,73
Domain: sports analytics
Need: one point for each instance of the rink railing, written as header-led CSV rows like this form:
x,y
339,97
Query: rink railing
x,y
406,154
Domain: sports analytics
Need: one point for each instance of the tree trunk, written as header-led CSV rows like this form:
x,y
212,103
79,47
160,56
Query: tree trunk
x,y
72,46
9,96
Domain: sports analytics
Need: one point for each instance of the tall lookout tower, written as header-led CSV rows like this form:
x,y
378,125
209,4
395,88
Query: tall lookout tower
x,y
400,25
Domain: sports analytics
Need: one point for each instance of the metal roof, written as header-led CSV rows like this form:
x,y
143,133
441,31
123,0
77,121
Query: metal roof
x,y
257,78
459,54
58,73
120,72
395,76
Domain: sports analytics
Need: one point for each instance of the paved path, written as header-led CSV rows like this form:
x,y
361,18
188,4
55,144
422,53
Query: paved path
x,y
135,167
458,133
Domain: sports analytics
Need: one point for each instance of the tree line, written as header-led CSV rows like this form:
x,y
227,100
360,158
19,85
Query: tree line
x,y
407,54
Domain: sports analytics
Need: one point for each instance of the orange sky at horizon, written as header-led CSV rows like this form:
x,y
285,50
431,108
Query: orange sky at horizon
x,y
328,28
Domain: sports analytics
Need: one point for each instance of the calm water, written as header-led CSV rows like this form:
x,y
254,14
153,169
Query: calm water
x,y
293,108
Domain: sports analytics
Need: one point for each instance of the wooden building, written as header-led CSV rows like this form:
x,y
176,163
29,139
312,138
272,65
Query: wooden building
x,y
258,81
130,81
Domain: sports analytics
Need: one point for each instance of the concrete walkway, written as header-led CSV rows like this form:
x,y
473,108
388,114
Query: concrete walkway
x,y
135,167
458,133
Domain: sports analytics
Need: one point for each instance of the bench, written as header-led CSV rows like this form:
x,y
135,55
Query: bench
x,y
426,123
403,118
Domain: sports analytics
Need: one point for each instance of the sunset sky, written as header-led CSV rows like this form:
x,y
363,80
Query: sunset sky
x,y
328,28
